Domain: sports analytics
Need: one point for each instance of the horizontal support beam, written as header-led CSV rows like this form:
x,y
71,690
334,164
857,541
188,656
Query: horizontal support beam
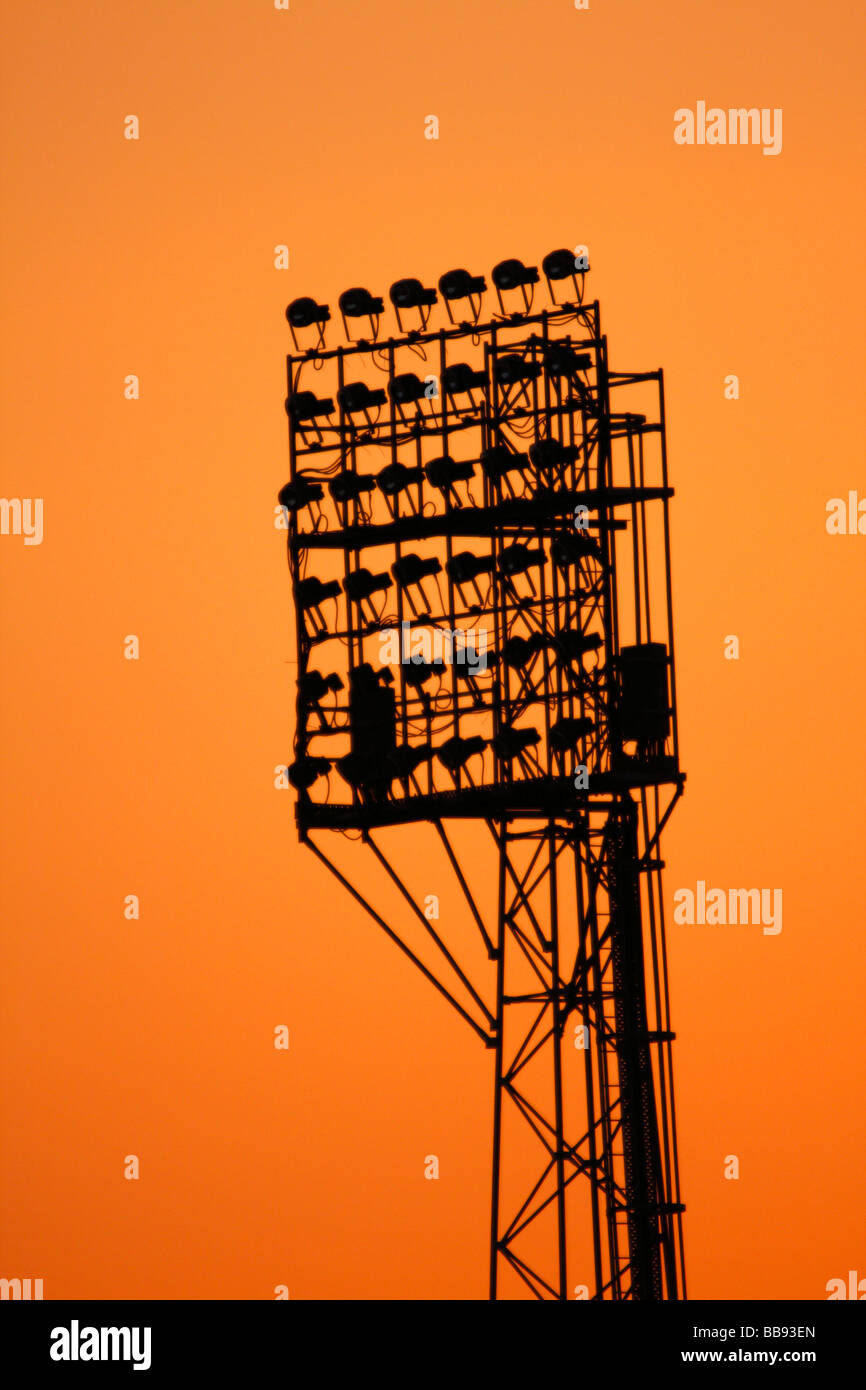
x,y
542,796
481,521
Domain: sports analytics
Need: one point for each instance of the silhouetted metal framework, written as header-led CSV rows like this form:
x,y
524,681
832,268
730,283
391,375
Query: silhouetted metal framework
x,y
491,477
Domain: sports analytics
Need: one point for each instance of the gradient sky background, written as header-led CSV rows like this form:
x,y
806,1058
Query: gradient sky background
x,y
155,777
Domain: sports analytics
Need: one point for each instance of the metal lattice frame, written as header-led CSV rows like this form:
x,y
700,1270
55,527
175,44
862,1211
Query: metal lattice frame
x,y
576,951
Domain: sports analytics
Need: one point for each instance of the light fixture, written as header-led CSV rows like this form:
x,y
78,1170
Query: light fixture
x,y
518,559
443,472
562,265
313,687
357,396
460,380
566,733
358,303
464,568
303,772
456,752
550,457
305,408
397,477
570,547
406,757
470,670
361,584
513,275
561,360
302,492
511,368
418,672
411,570
303,313
459,284
411,294
367,772
406,389
498,461
519,651
511,743
311,594
570,645
304,405
348,486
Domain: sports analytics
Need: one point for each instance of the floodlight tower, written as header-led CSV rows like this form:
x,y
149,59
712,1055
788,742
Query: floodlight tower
x,y
516,490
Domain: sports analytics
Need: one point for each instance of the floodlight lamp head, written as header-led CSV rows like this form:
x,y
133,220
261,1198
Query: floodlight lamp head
x,y
499,460
314,686
510,743
362,584
518,559
511,368
411,294
367,773
348,487
417,671
304,406
411,569
396,477
566,733
569,548
562,361
519,651
570,645
358,303
464,566
514,275
510,275
564,265
303,772
546,454
407,757
300,493
406,388
312,592
443,472
558,265
459,379
303,313
459,284
455,752
356,396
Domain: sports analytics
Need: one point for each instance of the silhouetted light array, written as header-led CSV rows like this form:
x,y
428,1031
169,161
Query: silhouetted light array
x,y
511,279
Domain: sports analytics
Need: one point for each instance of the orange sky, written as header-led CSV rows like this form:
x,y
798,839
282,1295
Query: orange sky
x,y
155,777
